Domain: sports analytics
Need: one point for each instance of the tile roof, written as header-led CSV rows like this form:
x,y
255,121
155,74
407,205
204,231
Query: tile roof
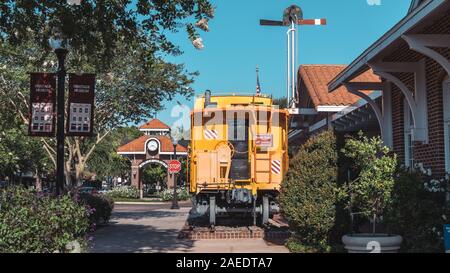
x,y
317,77
154,124
138,145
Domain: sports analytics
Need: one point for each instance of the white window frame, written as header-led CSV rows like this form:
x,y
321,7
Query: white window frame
x,y
408,135
446,108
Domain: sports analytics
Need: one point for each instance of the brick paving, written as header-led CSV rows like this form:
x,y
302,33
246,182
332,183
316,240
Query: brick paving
x,y
157,228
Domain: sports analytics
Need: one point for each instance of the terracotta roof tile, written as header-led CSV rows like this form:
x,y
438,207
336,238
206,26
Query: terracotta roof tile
x,y
138,145
154,124
317,77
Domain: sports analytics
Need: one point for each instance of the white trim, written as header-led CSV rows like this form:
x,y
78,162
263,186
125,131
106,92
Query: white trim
x,y
418,102
422,42
408,139
318,125
145,149
446,101
307,111
294,133
171,153
332,108
360,103
414,5
359,65
386,107
148,161
154,130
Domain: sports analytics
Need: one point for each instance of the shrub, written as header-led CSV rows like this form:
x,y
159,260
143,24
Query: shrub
x,y
370,193
100,206
309,193
128,192
30,222
418,212
167,194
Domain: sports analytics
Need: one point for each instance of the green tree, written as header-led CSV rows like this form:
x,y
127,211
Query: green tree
x,y
18,153
370,193
281,102
123,42
154,174
105,161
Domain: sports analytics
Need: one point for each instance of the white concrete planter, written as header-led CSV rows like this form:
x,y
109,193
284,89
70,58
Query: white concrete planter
x,y
372,243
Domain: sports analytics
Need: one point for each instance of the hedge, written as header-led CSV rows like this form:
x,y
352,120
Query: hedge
x,y
31,222
309,194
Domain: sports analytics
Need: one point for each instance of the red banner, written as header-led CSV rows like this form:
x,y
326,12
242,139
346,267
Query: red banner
x,y
42,104
80,118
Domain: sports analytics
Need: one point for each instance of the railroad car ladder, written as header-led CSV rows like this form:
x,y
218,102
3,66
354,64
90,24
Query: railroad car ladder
x,y
263,160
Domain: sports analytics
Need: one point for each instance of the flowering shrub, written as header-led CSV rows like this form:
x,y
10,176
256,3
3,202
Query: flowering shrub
x,y
419,210
31,222
167,194
100,207
124,192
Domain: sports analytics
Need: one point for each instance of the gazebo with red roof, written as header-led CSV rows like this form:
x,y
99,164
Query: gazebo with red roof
x,y
155,146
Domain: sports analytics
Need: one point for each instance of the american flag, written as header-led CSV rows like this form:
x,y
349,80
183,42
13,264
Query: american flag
x,y
258,86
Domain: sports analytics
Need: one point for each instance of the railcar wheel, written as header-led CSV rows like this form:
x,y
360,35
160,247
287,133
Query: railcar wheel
x,y
265,210
212,211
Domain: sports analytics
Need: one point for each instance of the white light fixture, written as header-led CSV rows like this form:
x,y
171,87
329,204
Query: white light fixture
x,y
174,141
57,41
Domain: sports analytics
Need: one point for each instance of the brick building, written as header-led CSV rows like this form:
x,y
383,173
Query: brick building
x,y
154,147
412,59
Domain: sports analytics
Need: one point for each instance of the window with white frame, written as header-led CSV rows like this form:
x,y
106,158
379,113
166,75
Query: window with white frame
x,y
446,100
408,135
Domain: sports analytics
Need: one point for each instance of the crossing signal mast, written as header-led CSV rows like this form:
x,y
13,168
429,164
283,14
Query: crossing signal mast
x,y
292,18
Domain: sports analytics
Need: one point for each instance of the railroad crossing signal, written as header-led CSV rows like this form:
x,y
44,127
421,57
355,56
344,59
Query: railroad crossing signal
x,y
174,166
292,17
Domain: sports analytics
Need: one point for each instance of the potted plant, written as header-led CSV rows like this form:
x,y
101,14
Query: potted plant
x,y
370,193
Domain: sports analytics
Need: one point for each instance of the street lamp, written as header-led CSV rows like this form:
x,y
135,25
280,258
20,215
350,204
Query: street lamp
x,y
175,196
56,43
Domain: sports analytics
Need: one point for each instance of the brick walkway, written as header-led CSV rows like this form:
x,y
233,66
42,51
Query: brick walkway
x,y
155,228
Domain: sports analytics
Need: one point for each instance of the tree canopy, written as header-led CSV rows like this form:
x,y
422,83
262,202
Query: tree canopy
x,y
94,29
123,42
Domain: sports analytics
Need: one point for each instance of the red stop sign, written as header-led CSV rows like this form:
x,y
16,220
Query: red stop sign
x,y
174,166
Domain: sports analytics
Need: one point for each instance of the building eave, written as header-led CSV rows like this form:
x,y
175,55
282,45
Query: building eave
x,y
359,65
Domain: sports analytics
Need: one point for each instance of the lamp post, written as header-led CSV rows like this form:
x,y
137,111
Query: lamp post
x,y
61,52
175,196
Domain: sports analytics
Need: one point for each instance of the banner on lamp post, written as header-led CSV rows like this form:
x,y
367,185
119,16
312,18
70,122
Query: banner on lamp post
x,y
42,105
80,118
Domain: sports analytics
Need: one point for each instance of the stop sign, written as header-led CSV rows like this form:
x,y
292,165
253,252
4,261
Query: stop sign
x,y
174,166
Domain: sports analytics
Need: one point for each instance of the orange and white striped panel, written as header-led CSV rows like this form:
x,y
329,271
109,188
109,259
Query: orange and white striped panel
x,y
211,134
276,166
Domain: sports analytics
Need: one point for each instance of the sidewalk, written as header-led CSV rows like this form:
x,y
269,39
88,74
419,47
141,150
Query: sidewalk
x,y
154,227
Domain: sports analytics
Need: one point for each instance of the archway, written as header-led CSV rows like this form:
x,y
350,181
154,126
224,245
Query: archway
x,y
154,177
153,147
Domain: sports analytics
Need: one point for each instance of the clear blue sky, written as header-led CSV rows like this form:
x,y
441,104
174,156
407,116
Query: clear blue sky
x,y
236,43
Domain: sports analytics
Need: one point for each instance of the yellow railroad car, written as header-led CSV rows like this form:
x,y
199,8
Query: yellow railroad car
x,y
238,155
